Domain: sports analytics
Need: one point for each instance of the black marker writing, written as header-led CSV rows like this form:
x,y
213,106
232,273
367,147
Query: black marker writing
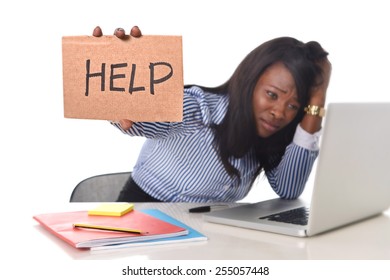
x,y
118,71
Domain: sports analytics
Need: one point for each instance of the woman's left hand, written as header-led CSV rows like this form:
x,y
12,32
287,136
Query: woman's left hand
x,y
318,92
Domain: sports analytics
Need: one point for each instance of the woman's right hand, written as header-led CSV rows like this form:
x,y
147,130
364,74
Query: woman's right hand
x,y
120,33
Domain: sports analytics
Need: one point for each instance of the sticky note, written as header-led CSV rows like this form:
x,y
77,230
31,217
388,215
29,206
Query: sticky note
x,y
111,209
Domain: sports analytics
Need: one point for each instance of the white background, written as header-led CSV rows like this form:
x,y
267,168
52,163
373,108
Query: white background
x,y
43,155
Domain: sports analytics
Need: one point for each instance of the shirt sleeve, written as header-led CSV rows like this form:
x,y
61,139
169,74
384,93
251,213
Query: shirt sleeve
x,y
306,140
195,114
289,178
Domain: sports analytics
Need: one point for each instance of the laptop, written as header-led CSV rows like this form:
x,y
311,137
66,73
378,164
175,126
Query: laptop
x,y
351,183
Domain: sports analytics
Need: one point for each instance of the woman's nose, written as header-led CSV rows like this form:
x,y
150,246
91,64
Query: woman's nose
x,y
278,111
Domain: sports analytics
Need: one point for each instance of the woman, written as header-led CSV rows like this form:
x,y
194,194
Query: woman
x,y
266,117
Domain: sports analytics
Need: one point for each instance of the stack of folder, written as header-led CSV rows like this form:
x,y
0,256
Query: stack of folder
x,y
112,226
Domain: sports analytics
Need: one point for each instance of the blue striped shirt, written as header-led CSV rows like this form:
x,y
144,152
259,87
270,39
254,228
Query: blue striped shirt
x,y
180,163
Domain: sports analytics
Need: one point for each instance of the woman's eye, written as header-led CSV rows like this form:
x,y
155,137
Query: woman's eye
x,y
272,94
294,107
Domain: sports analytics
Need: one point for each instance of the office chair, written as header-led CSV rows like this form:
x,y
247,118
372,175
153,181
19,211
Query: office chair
x,y
100,188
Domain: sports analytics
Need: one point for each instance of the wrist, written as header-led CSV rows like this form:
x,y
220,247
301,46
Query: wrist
x,y
315,110
317,101
312,119
317,98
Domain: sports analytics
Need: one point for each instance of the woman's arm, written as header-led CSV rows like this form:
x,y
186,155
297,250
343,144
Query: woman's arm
x,y
289,178
196,114
313,123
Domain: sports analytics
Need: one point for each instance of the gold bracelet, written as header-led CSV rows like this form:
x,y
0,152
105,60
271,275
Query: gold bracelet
x,y
315,110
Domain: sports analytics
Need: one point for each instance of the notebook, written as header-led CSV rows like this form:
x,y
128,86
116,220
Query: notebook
x,y
192,236
351,182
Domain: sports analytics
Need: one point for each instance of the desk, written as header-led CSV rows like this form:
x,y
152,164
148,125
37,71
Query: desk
x,y
369,239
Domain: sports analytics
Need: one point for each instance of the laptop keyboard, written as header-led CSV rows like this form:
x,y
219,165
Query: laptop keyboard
x,y
297,216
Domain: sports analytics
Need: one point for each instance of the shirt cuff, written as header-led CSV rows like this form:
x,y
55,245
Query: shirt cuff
x,y
306,140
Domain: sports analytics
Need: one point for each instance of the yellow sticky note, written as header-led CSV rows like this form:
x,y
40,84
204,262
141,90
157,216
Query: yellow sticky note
x,y
111,209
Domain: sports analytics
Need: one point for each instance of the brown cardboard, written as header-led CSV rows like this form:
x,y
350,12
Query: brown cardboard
x,y
143,78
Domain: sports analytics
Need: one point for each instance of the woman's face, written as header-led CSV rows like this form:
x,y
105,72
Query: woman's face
x,y
275,100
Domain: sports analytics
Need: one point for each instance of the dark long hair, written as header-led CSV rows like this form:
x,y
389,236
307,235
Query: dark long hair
x,y
236,135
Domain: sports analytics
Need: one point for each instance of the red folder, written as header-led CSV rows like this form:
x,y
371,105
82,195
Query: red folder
x,y
61,225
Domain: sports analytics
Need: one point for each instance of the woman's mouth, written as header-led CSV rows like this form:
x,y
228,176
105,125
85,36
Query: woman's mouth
x,y
269,126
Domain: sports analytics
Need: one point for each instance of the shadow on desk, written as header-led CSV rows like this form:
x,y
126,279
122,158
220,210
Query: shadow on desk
x,y
365,240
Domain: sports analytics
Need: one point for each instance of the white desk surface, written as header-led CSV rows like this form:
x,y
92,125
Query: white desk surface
x,y
366,240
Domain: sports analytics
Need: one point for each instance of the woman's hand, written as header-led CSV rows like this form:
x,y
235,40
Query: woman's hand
x,y
120,33
318,92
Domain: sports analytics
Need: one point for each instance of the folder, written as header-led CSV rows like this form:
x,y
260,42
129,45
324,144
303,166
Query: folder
x,y
192,236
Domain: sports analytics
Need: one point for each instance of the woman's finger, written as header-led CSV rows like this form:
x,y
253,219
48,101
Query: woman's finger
x,y
135,32
97,32
120,33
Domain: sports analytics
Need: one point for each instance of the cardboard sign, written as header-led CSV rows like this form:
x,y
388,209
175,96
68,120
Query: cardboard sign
x,y
107,78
